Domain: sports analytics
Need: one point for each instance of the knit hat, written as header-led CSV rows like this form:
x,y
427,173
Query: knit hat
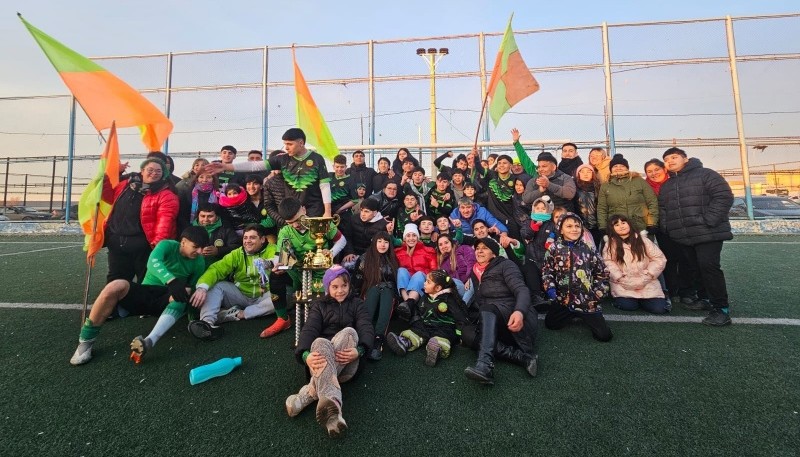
x,y
160,163
490,243
410,228
548,203
294,134
546,156
332,273
618,159
581,167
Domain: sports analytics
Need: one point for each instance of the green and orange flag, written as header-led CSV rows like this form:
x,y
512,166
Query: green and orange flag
x,y
511,80
310,119
98,197
104,97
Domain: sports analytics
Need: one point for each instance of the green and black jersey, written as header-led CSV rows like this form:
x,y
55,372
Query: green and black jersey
x,y
303,176
340,190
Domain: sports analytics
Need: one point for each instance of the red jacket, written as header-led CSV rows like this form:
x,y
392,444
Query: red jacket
x,y
158,215
423,259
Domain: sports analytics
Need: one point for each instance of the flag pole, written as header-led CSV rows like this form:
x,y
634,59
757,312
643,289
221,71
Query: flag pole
x,y
89,267
480,119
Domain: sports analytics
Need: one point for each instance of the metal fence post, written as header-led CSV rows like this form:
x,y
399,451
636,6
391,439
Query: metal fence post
x,y
371,90
25,191
612,147
5,187
737,104
70,160
53,183
264,110
168,101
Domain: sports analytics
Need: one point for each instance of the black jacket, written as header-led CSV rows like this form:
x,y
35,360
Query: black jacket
x,y
502,286
693,205
535,242
327,317
274,193
386,206
362,232
361,175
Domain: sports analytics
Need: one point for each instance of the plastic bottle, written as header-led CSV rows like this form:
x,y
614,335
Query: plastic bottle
x,y
219,368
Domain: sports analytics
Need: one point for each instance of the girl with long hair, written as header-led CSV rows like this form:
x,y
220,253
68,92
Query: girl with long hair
x,y
456,260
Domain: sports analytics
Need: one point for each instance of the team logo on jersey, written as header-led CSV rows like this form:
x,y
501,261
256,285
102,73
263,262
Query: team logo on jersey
x,y
341,183
510,184
219,243
263,212
309,163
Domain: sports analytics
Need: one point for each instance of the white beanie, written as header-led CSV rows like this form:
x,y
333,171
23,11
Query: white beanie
x,y
410,228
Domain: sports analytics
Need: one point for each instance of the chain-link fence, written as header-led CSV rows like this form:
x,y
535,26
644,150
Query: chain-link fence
x,y
633,88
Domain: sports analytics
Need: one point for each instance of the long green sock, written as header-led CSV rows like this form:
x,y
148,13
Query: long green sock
x,y
171,314
88,331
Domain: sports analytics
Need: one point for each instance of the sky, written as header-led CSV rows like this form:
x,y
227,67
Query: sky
x,y
102,28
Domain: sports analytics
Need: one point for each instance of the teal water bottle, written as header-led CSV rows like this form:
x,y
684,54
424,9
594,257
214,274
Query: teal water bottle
x,y
219,368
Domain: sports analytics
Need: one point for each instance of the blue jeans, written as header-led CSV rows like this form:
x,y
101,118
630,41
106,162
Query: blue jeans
x,y
409,282
653,305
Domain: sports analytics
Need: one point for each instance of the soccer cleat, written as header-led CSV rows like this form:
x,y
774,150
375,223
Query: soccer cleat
x,y
433,350
228,315
398,344
205,331
83,353
296,403
278,326
329,415
717,318
139,346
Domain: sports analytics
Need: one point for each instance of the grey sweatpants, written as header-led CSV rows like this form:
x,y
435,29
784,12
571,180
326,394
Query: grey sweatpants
x,y
326,382
227,294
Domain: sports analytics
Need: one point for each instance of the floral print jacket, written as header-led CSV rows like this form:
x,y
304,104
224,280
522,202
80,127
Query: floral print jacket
x,y
577,273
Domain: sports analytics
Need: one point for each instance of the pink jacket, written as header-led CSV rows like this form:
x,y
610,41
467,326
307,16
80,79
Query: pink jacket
x,y
636,279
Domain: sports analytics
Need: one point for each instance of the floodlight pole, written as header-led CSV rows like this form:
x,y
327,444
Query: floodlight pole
x,y
432,56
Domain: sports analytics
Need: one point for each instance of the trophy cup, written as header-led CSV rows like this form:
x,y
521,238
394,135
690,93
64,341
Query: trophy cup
x,y
318,226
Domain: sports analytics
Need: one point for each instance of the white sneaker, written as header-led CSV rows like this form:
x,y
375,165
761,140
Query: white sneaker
x,y
82,354
228,315
296,403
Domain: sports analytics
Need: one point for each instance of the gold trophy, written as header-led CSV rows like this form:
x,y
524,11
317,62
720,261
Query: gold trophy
x,y
318,226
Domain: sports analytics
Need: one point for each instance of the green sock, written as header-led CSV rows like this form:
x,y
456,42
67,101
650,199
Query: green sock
x,y
88,331
281,312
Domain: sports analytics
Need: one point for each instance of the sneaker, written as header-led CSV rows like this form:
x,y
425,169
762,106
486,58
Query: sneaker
x,y
696,304
83,353
228,315
329,415
376,353
398,344
202,330
433,351
717,318
278,326
139,346
296,403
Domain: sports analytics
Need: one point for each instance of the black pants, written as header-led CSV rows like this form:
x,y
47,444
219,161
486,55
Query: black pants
x,y
127,257
559,317
672,251
704,258
523,339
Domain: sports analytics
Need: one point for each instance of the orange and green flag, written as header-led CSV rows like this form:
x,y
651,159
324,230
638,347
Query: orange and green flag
x,y
98,197
104,97
511,80
310,119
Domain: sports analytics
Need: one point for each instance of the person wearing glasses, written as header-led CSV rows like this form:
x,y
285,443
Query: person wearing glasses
x,y
145,212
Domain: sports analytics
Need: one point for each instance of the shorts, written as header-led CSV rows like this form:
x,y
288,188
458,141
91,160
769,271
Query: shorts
x,y
145,300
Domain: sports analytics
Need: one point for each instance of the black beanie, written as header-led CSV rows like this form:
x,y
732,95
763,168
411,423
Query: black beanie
x,y
618,159
490,243
294,134
546,156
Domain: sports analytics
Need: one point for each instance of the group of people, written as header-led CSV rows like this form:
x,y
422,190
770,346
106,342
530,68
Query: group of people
x,y
470,257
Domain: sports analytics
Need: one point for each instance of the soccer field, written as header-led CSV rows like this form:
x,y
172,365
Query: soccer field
x,y
658,388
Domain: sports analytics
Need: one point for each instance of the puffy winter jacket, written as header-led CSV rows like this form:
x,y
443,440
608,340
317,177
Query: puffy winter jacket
x,y
577,273
465,259
502,285
479,212
630,196
635,279
693,205
362,232
158,215
327,317
422,259
238,266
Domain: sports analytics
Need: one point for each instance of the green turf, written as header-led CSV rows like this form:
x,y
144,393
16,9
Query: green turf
x,y
656,389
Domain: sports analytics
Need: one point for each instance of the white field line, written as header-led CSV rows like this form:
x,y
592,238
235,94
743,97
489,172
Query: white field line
x,y
40,242
40,250
609,317
762,242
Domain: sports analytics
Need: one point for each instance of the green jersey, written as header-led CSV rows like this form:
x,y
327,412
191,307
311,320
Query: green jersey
x,y
166,263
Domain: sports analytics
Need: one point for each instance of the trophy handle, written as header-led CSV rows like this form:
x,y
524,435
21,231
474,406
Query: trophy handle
x,y
336,219
304,222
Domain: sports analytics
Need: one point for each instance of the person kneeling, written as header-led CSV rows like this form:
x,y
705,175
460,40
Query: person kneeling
x,y
440,311
337,333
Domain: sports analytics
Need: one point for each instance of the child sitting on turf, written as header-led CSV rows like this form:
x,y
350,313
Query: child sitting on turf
x,y
440,312
337,333
634,264
575,277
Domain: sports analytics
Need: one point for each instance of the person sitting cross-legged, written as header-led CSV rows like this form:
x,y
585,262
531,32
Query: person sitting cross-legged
x,y
171,268
247,296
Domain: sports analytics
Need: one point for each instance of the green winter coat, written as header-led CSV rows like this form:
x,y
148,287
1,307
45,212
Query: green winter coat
x,y
630,196
239,266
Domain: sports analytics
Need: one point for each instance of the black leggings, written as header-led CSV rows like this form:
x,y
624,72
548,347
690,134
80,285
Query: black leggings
x,y
559,317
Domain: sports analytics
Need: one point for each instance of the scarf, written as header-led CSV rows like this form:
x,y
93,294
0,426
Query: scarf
x,y
541,217
478,270
205,188
209,228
